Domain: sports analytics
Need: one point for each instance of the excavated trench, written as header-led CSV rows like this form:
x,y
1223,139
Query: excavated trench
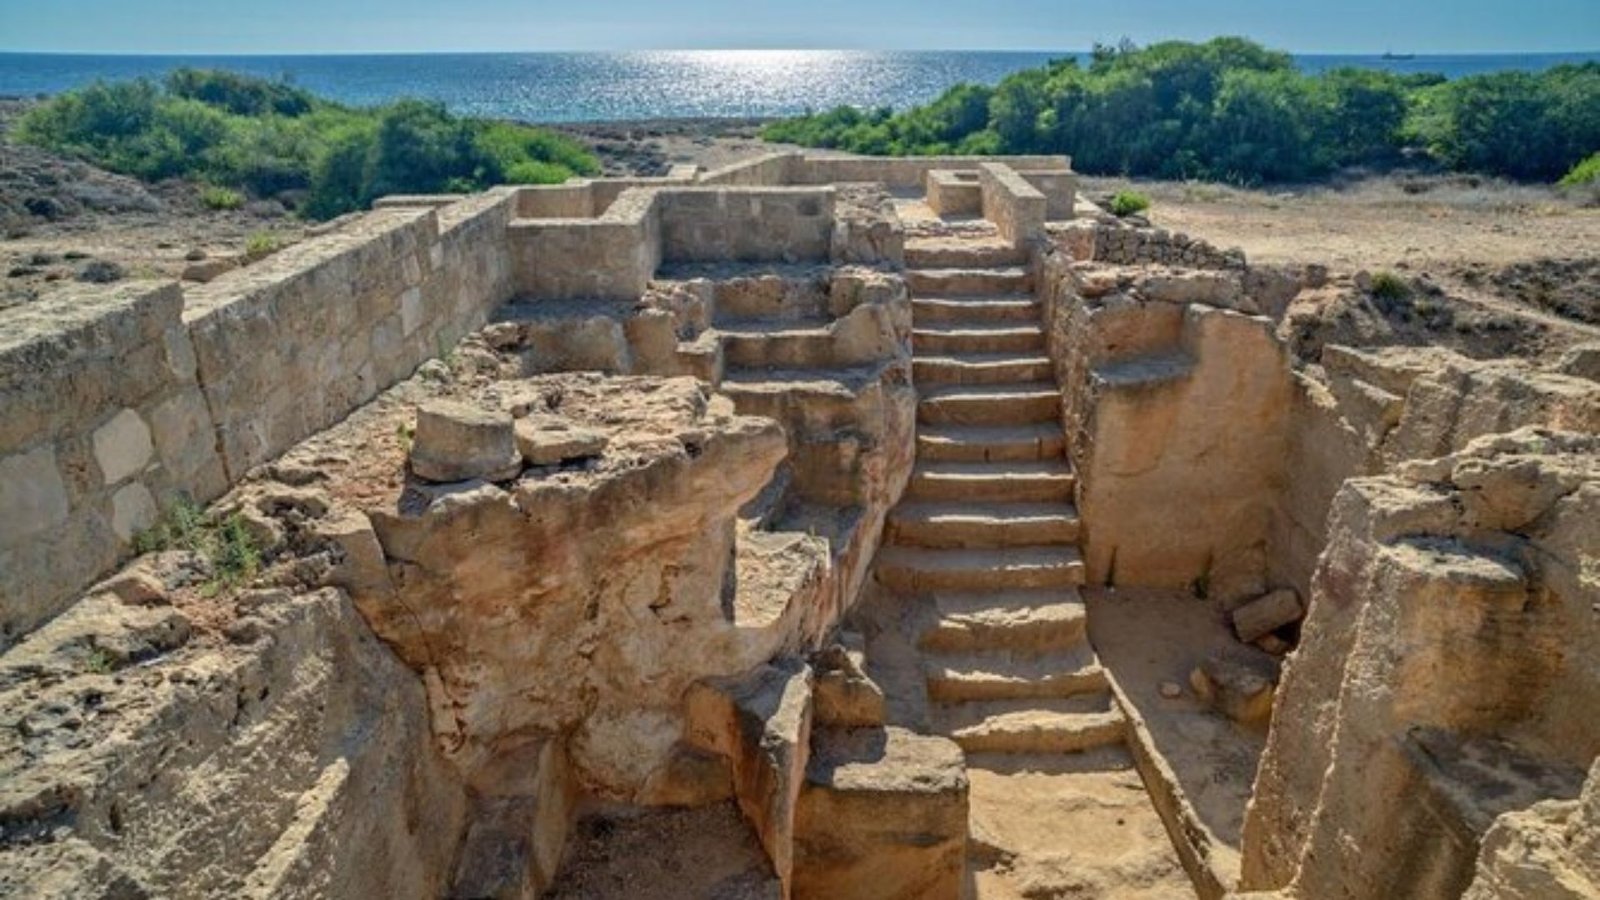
x,y
776,540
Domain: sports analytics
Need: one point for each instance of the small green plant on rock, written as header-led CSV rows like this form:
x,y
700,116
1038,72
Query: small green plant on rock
x,y
226,544
1128,203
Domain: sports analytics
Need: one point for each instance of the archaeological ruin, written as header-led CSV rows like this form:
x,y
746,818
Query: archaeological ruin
x,y
817,527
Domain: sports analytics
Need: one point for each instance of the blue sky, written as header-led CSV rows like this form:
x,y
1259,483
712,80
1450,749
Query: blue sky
x,y
355,26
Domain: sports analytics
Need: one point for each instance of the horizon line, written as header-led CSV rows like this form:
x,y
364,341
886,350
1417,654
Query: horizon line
x,y
137,54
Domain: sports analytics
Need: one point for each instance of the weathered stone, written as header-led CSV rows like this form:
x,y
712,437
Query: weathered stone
x,y
122,446
460,442
844,696
33,498
1266,614
550,440
1239,684
882,815
133,509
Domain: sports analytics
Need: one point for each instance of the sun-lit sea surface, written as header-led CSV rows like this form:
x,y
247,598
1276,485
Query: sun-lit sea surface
x,y
575,87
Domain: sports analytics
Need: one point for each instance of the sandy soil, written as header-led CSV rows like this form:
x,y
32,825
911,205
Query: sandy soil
x,y
1149,638
708,853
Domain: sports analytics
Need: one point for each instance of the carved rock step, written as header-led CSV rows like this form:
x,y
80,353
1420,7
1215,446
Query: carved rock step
x,y
935,310
992,404
918,570
966,443
982,524
929,253
982,368
812,401
1033,726
969,281
1003,676
1017,621
1043,481
1002,338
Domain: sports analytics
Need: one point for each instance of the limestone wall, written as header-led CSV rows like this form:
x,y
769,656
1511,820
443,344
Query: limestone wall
x,y
753,225
1174,408
1362,412
1111,241
907,171
287,757
770,169
119,400
1016,207
610,257
1444,676
102,420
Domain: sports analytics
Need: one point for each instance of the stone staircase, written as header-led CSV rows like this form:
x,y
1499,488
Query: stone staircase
x,y
986,531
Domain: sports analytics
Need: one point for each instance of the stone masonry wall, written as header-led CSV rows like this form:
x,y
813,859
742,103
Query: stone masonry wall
x,y
1016,207
119,400
101,420
771,224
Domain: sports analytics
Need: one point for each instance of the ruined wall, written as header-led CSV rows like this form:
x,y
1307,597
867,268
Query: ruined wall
x,y
153,392
753,225
102,421
1444,660
1175,411
1111,241
906,171
1364,411
611,257
1016,207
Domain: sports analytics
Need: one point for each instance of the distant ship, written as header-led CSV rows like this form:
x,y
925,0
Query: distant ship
x,y
1399,56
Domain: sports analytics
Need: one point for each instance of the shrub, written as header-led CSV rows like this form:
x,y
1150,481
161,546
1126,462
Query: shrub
x,y
214,197
269,138
1586,172
1128,203
1389,286
1232,110
261,243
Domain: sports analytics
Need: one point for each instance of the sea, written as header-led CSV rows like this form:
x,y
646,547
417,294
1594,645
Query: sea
x,y
588,87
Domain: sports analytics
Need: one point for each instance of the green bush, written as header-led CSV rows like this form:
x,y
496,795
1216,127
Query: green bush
x,y
268,138
1389,286
1232,110
1128,203
1586,172
214,197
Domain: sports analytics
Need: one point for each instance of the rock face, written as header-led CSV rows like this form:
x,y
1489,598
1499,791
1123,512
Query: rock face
x,y
146,754
1550,851
1175,403
579,600
1437,661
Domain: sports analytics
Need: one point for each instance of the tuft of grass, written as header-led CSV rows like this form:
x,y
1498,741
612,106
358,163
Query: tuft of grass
x,y
220,198
99,662
1128,203
1387,285
262,243
225,543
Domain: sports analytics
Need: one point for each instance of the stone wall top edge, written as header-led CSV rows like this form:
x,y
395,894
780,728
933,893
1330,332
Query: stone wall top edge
x,y
62,325
303,259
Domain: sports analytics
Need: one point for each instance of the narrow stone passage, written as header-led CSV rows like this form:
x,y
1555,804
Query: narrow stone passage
x,y
981,557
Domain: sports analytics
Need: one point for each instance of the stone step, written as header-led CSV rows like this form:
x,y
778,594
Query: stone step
x,y
1040,481
955,339
1003,676
965,253
971,282
982,368
967,443
937,310
920,570
1033,726
807,402
787,344
1143,373
990,404
1017,621
954,524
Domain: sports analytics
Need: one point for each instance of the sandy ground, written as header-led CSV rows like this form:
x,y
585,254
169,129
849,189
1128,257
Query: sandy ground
x,y
1149,638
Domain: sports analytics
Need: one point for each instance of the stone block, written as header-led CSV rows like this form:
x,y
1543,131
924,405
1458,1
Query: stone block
x,y
1266,614
882,816
122,446
1239,683
33,498
844,696
551,440
459,442
133,509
